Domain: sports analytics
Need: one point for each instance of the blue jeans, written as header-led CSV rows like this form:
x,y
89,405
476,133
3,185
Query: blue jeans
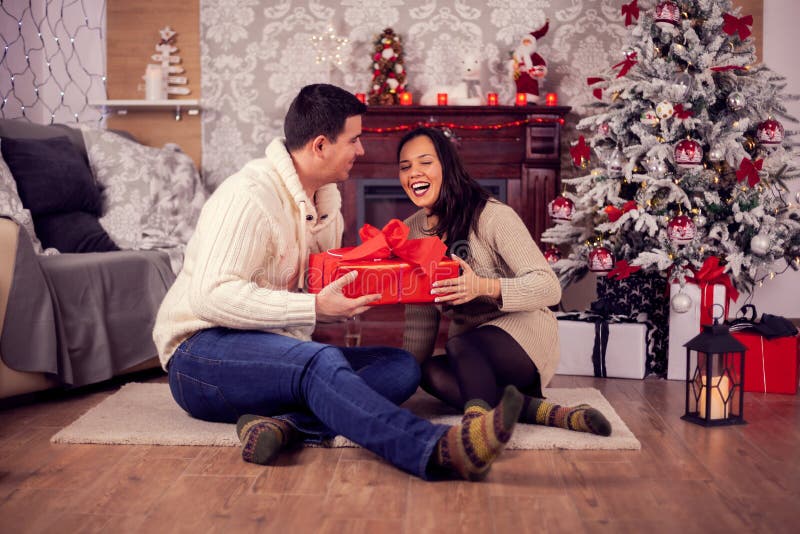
x,y
220,374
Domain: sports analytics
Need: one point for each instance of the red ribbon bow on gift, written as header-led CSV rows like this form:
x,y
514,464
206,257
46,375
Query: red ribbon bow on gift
x,y
614,213
710,274
622,270
631,11
392,240
626,64
682,113
738,25
749,169
597,92
579,152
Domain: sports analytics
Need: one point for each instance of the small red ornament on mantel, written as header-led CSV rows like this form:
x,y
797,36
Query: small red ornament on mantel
x,y
688,153
561,209
552,255
770,132
601,260
681,230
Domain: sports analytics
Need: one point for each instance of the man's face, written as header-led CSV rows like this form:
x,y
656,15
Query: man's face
x,y
342,154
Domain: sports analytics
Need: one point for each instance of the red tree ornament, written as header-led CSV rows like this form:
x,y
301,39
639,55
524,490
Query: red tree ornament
x,y
580,153
601,260
631,12
748,169
770,132
552,255
681,230
668,14
732,24
561,209
688,153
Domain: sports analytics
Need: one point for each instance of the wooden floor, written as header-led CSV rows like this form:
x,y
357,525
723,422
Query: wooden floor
x,y
685,479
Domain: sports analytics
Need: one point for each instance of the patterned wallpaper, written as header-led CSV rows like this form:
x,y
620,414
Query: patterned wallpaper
x,y
255,56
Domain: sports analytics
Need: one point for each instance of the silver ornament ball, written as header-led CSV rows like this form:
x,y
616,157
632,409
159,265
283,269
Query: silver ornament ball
x,y
681,303
759,244
716,154
736,101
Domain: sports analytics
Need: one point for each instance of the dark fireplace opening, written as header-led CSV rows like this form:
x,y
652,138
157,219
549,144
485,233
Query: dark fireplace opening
x,y
381,199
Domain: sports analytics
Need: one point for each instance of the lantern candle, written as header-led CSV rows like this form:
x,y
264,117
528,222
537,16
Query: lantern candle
x,y
720,389
491,99
522,99
441,99
551,99
406,99
361,98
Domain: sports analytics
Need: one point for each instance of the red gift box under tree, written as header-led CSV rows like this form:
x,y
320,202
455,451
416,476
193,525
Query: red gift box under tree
x,y
400,269
770,365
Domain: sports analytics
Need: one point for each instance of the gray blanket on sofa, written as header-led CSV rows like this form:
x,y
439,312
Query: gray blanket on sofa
x,y
83,317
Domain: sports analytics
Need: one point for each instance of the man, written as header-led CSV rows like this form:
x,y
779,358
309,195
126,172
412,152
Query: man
x,y
234,330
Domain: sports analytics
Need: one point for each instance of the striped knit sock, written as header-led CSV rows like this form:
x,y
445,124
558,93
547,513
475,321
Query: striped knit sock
x,y
263,437
581,418
470,448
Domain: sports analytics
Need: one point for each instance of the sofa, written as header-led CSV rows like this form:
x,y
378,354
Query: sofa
x,y
90,242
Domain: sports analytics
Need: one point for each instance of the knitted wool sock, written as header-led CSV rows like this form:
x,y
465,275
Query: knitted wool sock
x,y
581,418
263,437
470,448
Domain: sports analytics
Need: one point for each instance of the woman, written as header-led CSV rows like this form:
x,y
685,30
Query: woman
x,y
501,330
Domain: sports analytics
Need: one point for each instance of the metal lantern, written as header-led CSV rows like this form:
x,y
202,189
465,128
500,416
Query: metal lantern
x,y
714,378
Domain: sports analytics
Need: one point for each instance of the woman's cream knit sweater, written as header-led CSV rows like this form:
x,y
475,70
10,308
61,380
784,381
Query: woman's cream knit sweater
x,y
502,248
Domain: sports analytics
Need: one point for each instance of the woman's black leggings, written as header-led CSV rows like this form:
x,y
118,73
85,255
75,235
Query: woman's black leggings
x,y
479,364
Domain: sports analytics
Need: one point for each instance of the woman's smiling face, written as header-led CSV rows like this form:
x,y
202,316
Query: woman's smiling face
x,y
421,172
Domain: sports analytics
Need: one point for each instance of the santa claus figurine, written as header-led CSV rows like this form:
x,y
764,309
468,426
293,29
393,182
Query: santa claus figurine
x,y
528,66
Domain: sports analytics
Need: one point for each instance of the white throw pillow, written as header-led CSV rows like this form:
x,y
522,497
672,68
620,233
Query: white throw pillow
x,y
152,195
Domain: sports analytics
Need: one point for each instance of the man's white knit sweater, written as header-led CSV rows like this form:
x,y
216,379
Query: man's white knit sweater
x,y
245,265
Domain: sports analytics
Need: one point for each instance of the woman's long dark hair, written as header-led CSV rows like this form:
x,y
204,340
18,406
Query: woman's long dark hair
x,y
461,198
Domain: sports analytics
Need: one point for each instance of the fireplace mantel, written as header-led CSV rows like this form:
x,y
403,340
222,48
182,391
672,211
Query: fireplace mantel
x,y
518,144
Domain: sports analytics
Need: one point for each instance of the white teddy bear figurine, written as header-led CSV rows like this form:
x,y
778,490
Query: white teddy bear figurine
x,y
467,92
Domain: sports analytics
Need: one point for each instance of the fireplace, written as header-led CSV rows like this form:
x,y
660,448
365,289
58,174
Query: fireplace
x,y
378,200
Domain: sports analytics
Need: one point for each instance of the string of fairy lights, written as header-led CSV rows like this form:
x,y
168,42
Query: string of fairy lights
x,y
52,60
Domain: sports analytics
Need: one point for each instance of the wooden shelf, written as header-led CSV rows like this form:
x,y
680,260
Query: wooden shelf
x,y
121,107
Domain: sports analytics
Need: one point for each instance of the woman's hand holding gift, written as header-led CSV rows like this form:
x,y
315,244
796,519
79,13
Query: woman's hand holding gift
x,y
466,287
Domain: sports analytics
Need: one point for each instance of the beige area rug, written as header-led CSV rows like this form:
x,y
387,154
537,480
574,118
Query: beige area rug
x,y
146,414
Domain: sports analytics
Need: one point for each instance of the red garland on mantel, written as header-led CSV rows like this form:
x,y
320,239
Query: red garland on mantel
x,y
454,126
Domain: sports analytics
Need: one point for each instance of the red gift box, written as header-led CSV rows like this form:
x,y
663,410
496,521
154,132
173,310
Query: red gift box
x,y
770,365
400,269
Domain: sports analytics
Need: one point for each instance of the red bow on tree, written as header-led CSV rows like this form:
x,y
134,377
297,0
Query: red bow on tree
x,y
597,92
749,169
709,274
626,64
392,240
740,25
727,67
631,11
683,113
622,270
579,152
614,213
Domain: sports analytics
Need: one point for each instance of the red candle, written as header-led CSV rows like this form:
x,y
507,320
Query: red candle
x,y
406,99
361,98
491,99
551,99
522,99
441,99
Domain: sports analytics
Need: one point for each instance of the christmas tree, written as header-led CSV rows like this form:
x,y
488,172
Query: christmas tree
x,y
685,155
389,74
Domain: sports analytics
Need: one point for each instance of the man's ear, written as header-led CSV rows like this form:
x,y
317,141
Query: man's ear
x,y
318,145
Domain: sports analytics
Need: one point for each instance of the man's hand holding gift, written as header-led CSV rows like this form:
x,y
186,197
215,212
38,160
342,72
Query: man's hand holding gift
x,y
332,306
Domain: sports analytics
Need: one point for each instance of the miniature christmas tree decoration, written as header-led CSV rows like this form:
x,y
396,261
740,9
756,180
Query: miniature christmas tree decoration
x,y
388,71
170,63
